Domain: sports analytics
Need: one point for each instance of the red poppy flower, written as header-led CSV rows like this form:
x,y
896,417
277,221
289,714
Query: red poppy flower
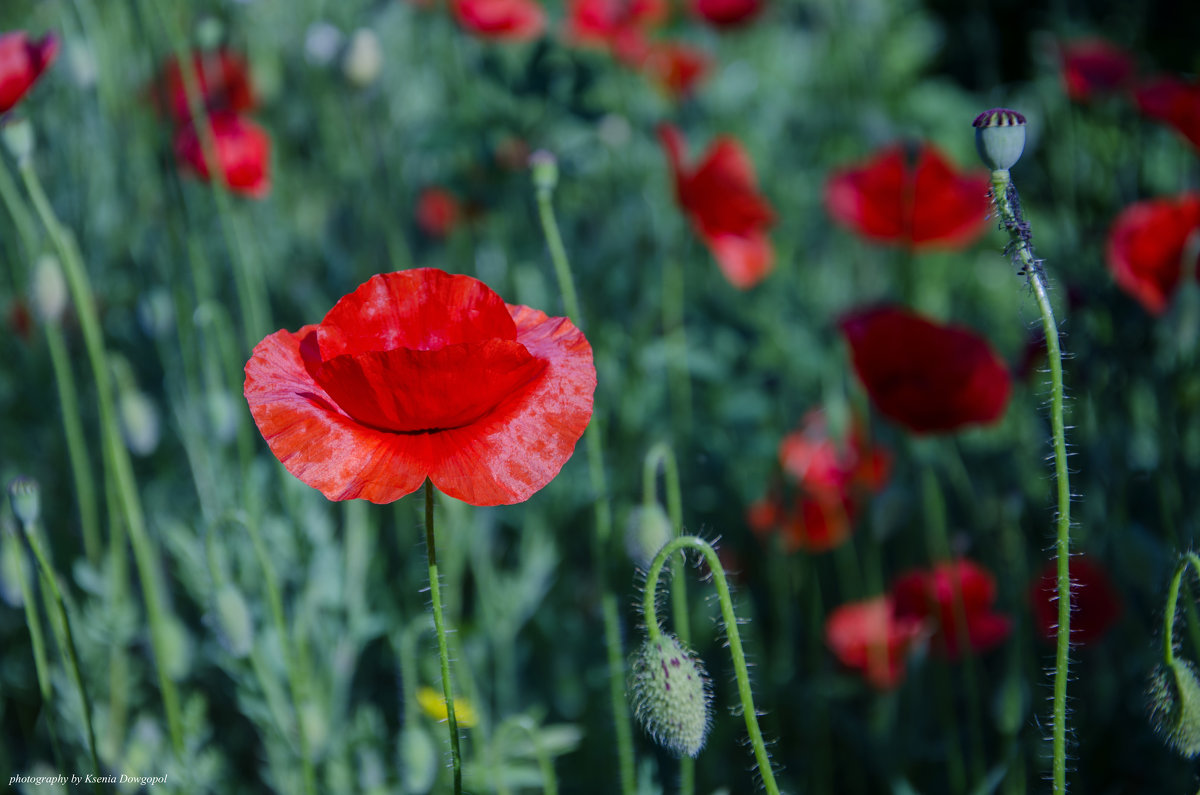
x,y
511,20
243,152
727,13
1091,67
910,196
438,211
606,22
1170,100
1095,603
422,374
721,198
934,595
222,79
1147,246
872,638
926,376
22,62
676,68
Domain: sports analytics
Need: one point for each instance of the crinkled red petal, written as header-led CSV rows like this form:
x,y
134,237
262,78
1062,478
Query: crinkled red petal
x,y
1147,245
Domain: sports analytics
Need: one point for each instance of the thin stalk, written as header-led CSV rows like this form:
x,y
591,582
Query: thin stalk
x,y
1004,193
37,640
729,618
439,628
545,180
1172,600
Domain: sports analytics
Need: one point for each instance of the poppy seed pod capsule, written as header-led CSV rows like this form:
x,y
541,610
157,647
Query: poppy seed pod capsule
x,y
999,137
671,696
26,499
1175,706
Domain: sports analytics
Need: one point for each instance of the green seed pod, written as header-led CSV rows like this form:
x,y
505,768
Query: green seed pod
x,y
234,623
1000,138
1175,706
671,695
26,499
647,531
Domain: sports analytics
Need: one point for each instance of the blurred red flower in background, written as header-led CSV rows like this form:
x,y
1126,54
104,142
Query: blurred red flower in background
x,y
608,22
871,637
242,150
676,68
1095,603
910,196
222,79
438,211
926,376
1147,247
1171,100
22,61
1091,67
936,595
727,13
721,198
511,20
422,374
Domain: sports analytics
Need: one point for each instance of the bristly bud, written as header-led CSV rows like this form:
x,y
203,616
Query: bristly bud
x,y
544,166
671,696
1175,706
1000,137
26,499
647,531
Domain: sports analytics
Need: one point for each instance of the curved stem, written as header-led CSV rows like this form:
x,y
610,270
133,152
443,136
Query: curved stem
x,y
1172,600
1008,205
439,627
729,618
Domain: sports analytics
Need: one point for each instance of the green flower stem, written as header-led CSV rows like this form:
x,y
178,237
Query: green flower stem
x,y
1172,600
622,720
33,621
435,596
649,606
676,335
119,469
1005,196
50,582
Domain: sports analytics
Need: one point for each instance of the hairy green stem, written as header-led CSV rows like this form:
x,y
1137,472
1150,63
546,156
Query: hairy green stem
x,y
439,627
1007,204
729,618
1172,600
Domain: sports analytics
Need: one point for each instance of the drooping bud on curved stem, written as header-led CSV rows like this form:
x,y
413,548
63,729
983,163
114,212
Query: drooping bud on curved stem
x,y
1174,686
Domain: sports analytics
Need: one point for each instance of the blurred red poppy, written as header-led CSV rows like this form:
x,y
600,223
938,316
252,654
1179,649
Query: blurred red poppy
x,y
721,198
871,637
1095,603
22,61
727,13
222,79
511,20
1092,67
438,211
926,376
1171,100
676,68
422,374
1148,245
242,149
606,22
936,595
910,196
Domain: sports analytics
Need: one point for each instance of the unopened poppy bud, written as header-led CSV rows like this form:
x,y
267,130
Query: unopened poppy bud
x,y
363,60
176,650
646,532
1175,706
18,137
1000,137
139,421
26,499
48,291
544,166
234,623
671,696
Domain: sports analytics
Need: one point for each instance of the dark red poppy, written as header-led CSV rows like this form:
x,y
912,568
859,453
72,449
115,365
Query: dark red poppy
x,y
1171,100
509,20
1092,67
1148,244
422,374
727,13
910,196
871,637
721,198
438,211
242,149
675,68
22,61
606,22
1095,603
222,79
935,595
926,376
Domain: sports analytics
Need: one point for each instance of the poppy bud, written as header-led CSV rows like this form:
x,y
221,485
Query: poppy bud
x,y
26,499
139,421
176,649
234,623
49,289
647,531
363,59
1000,138
671,696
1175,706
544,166
18,137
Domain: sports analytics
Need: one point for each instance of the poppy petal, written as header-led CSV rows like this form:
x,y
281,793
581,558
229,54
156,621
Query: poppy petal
x,y
1147,245
22,61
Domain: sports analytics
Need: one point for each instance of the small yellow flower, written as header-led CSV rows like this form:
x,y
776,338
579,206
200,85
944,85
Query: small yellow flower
x,y
433,705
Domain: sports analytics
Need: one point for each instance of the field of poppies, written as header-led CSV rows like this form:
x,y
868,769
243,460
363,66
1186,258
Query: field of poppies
x,y
605,396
